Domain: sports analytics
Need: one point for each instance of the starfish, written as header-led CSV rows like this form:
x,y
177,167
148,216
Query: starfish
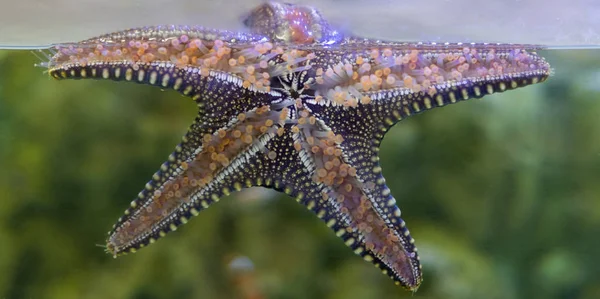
x,y
293,105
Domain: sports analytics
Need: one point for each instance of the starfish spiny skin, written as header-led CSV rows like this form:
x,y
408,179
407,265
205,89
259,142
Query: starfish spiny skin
x,y
296,107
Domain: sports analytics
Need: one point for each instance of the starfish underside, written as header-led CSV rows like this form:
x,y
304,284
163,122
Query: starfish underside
x,y
293,107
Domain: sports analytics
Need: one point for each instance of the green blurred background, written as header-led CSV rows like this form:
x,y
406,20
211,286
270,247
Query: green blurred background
x,y
502,196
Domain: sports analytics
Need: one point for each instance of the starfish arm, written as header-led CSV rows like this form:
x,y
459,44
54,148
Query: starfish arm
x,y
359,92
217,69
164,56
224,162
350,198
219,97
409,78
173,56
464,78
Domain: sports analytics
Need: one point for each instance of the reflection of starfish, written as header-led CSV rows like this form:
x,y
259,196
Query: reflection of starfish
x,y
292,106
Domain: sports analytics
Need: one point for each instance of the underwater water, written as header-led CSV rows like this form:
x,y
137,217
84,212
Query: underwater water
x,y
501,195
